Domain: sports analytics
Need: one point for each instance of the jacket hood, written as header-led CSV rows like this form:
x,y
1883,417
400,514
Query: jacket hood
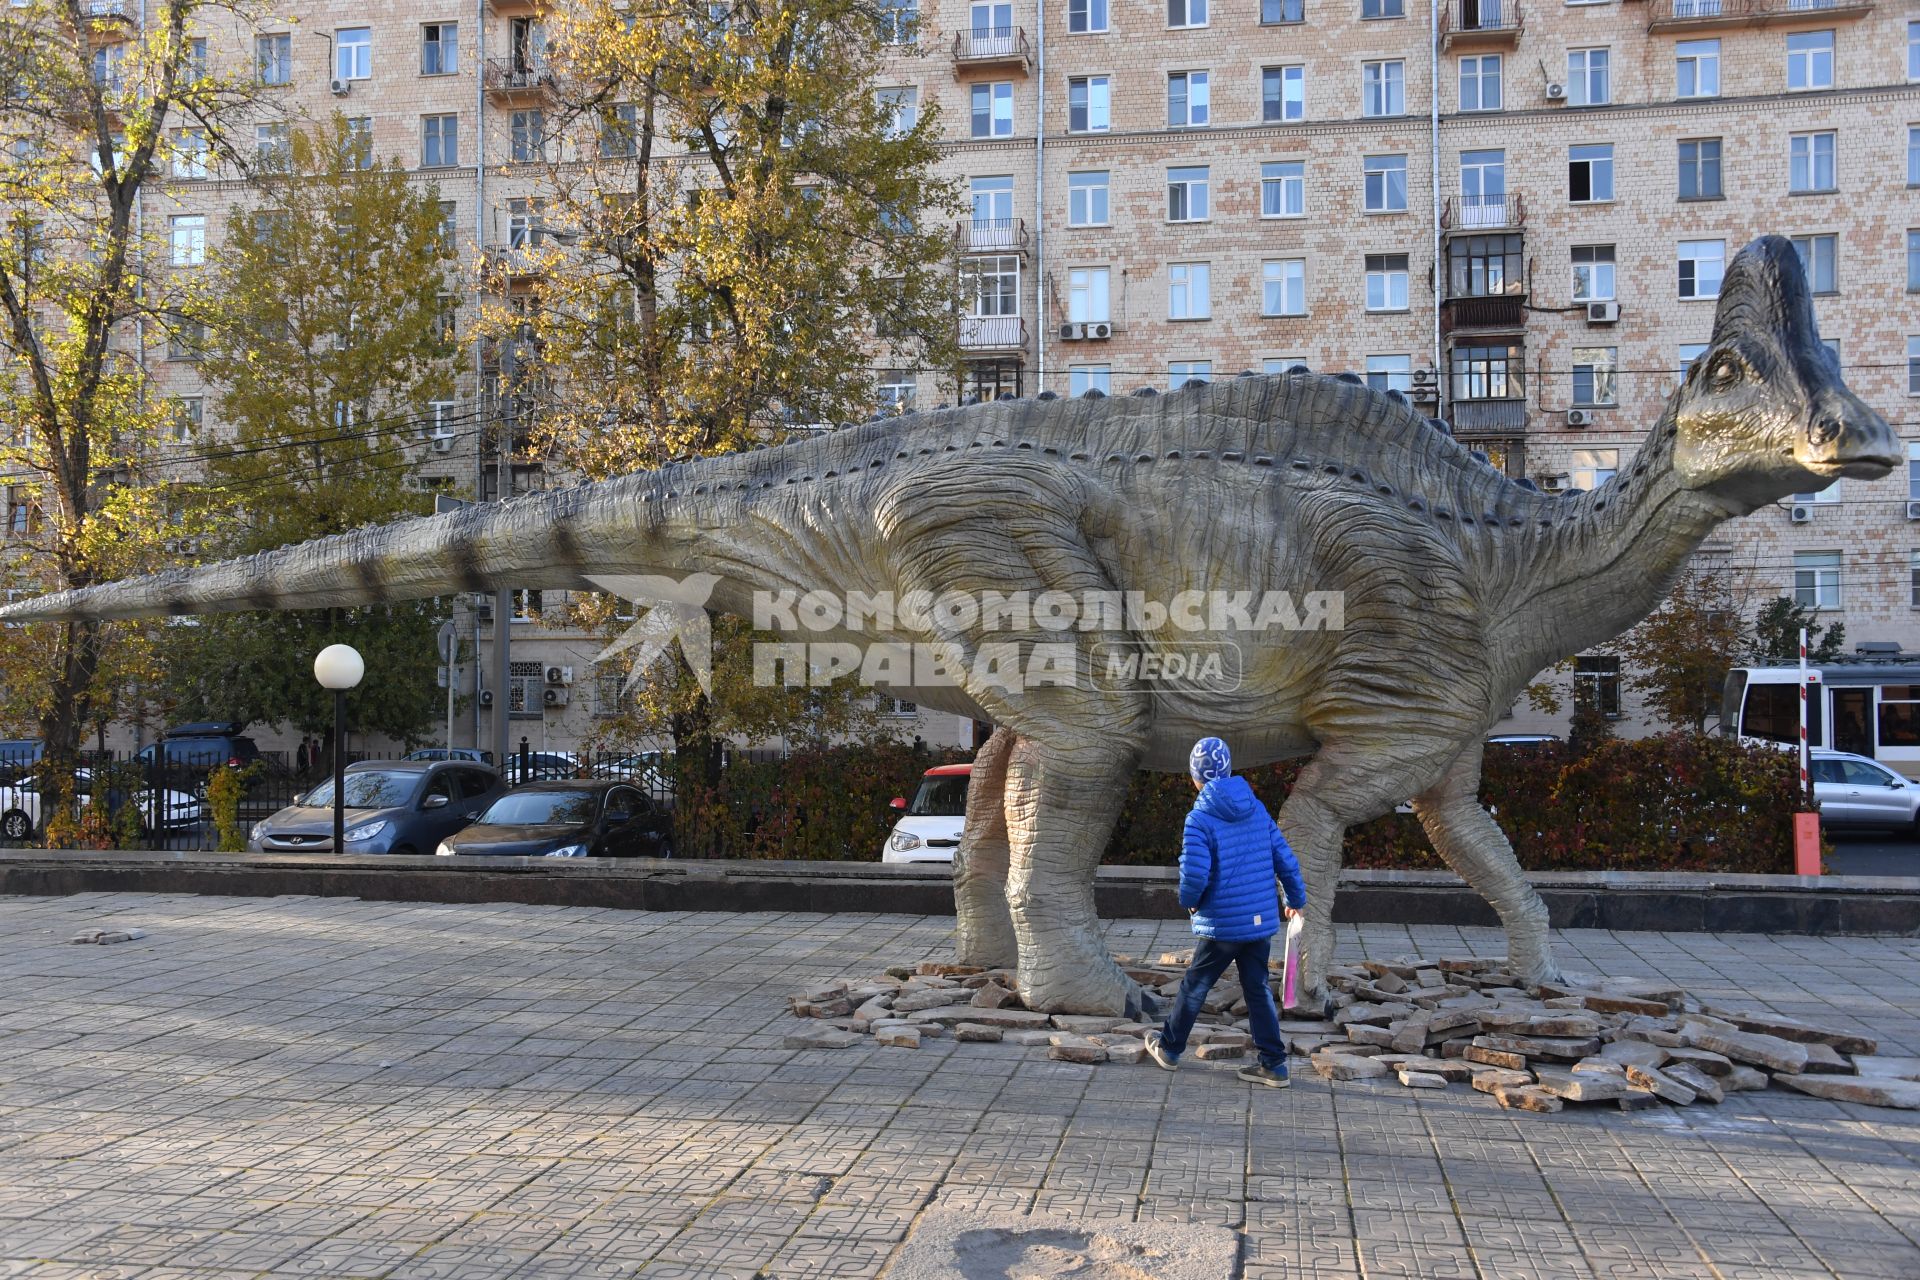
x,y
1229,799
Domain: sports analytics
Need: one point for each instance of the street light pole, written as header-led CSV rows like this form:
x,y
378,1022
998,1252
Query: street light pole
x,y
339,668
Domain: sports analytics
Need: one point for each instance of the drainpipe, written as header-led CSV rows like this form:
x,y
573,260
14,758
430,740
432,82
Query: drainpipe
x,y
1039,198
1433,180
479,373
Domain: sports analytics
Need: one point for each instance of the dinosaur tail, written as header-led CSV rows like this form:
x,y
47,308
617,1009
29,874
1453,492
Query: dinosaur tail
x,y
556,540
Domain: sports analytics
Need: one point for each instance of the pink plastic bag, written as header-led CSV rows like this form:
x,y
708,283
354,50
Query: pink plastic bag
x,y
1291,963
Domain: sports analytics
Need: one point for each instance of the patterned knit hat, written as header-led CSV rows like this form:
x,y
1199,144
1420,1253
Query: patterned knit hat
x,y
1210,760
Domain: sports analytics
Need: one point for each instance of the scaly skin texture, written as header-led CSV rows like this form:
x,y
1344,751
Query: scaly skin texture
x,y
1458,585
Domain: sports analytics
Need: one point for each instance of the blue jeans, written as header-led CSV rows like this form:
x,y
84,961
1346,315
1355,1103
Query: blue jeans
x,y
1210,959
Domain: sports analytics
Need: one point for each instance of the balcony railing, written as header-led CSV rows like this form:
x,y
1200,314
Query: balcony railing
x,y
1486,23
1493,312
1489,417
521,257
984,46
993,333
1698,15
992,235
1483,213
516,77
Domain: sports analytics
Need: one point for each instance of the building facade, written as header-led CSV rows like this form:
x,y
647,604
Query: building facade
x,y
1515,211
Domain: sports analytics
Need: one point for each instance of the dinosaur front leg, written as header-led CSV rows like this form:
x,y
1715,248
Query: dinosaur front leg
x,y
1061,807
1467,837
985,925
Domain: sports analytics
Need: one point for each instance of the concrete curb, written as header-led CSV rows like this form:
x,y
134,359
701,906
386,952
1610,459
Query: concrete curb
x,y
1618,900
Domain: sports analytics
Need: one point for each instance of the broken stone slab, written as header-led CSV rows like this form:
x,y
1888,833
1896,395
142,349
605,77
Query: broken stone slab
x,y
1064,1046
1658,1083
1364,1033
1390,982
1823,1059
1495,1057
821,993
1307,1027
1599,1066
1025,1019
1877,1091
1129,1050
990,995
1527,1097
1218,1049
1421,1079
1307,1046
935,969
1562,1026
1635,1100
1634,1052
898,1037
822,1009
1452,1070
1750,1047
819,1037
914,1001
1882,1067
1367,1012
1135,1029
1846,1042
1409,1036
1653,1036
1085,1024
1586,1087
1451,1020
1347,1066
1541,1046
1702,1060
1491,1078
1743,1079
1704,1086
975,1032
1026,1037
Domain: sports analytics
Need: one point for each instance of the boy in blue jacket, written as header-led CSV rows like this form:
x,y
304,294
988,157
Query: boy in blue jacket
x,y
1231,857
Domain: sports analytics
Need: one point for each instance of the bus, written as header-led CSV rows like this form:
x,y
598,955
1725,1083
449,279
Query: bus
x,y
1869,707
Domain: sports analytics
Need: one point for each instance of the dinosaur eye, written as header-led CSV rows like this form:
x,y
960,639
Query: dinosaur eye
x,y
1724,372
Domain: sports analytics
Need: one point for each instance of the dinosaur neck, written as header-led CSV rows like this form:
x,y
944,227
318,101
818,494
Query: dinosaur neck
x,y
1616,556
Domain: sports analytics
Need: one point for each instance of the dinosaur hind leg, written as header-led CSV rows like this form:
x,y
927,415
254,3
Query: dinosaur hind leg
x,y
985,925
1469,840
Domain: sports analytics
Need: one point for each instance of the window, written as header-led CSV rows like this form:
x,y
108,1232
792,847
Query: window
x,y
1913,366
360,142
1816,579
186,339
1587,78
1488,373
450,223
1087,295
1701,264
189,239
1181,372
109,62
527,136
192,156
993,110
1480,83
1696,69
1280,11
1280,364
1913,51
440,143
23,513
1187,99
1082,378
1283,287
188,413
1390,373
273,58
1283,93
526,222
1700,169
1383,88
896,391
1187,194
1810,163
1484,266
1913,261
195,66
1592,468
1383,9
1283,189
1087,199
1818,258
992,285
272,150
1189,291
1386,183
1483,188
1594,375
1810,60
902,106
1593,273
1089,105
1084,16
1596,684
353,53
1590,173
899,21
1186,13
992,205
440,49
1387,282
1690,352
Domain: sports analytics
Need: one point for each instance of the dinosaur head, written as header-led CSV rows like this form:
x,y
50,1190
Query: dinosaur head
x,y
1763,412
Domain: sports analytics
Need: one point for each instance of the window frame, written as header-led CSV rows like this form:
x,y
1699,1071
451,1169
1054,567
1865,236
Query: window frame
x,y
1699,61
1104,187
1810,57
1700,166
1195,282
1597,61
1681,260
1291,276
1271,181
1385,175
1197,108
1384,79
1606,160
1810,161
1380,267
1187,186
341,49
447,48
427,132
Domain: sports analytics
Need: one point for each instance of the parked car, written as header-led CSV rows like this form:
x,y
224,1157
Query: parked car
x,y
540,766
392,806
19,755
929,826
577,818
1522,739
21,817
471,754
187,754
1855,792
651,771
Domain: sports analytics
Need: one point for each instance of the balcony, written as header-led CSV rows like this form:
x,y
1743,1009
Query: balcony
x,y
518,260
1710,15
1489,417
1486,313
514,8
991,235
1480,24
981,47
993,333
1462,214
510,80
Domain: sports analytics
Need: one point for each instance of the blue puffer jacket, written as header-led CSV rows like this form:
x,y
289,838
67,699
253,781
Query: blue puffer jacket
x,y
1231,856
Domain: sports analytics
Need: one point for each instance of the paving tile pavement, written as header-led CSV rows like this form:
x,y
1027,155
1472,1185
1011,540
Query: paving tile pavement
x,y
322,1087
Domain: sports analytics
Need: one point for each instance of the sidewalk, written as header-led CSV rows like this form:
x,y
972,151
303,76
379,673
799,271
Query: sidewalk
x,y
330,1087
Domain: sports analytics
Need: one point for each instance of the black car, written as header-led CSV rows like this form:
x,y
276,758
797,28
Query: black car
x,y
187,753
574,818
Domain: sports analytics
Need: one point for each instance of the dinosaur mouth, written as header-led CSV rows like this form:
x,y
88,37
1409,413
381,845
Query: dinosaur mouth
x,y
1859,467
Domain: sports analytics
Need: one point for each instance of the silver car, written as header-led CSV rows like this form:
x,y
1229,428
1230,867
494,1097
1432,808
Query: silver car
x,y
392,806
1855,792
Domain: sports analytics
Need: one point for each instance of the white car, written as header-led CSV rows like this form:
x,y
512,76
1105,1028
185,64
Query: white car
x,y
20,806
1856,792
929,827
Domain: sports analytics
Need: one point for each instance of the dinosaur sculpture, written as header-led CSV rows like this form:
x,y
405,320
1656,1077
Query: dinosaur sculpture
x,y
1459,585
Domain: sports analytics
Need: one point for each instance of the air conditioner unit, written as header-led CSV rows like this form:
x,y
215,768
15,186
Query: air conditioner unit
x,y
1072,332
559,675
555,697
341,88
1556,92
1100,329
485,697
1556,483
1913,511
1800,512
1426,377
1579,417
1428,394
442,441
1603,313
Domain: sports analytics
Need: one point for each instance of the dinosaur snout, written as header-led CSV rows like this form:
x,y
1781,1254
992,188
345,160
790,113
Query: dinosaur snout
x,y
1844,438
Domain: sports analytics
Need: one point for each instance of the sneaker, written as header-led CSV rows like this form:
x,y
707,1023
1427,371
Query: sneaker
x,y
1158,1052
1258,1074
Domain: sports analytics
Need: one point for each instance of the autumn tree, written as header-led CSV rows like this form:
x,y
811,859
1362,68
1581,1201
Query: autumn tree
x,y
1776,633
1678,657
322,380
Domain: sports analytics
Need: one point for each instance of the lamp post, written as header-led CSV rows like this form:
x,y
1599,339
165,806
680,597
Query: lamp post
x,y
339,668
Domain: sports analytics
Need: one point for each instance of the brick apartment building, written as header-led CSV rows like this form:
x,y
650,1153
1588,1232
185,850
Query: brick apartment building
x,y
1516,211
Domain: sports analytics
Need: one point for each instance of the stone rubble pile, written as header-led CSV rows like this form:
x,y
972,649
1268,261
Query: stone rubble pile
x,y
1429,1024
